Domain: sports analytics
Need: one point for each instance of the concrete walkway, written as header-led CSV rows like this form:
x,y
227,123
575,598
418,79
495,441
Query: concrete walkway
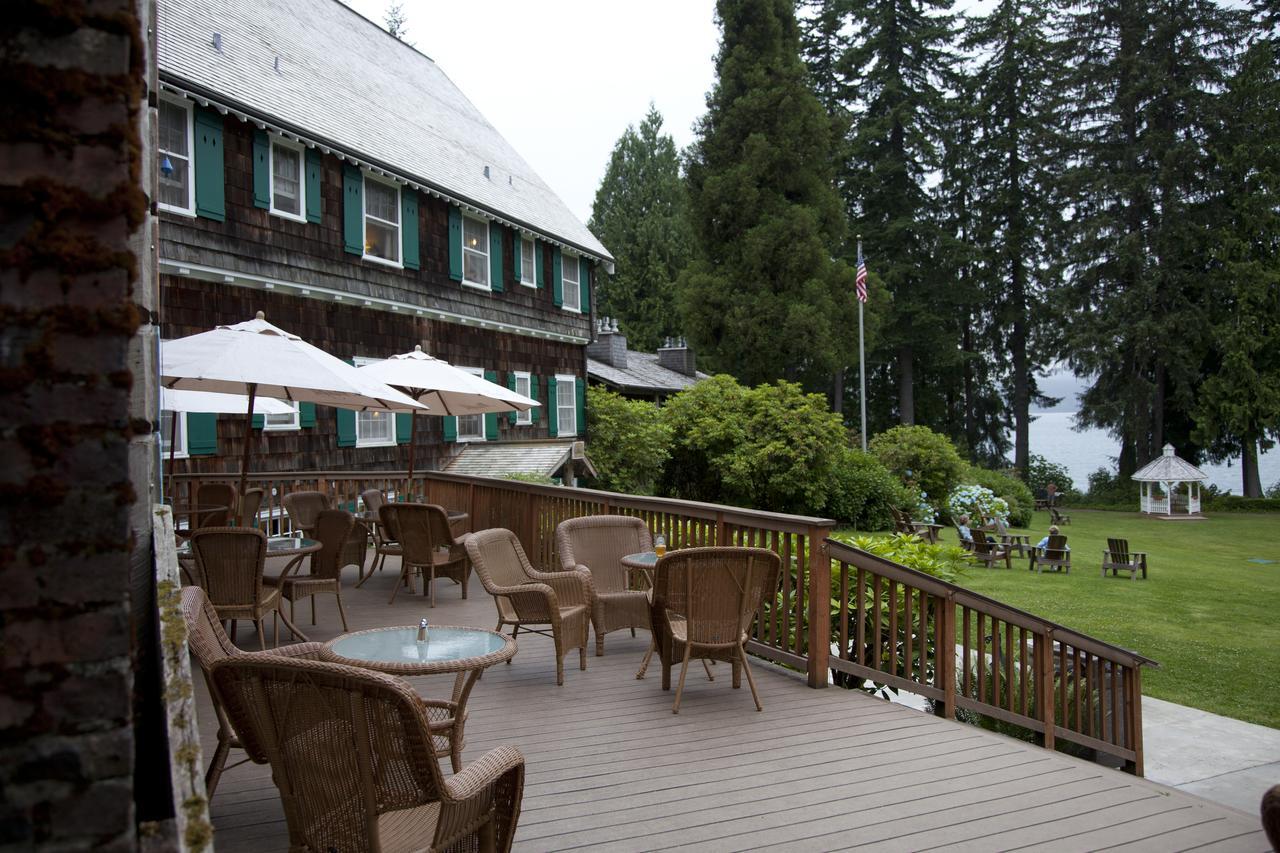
x,y
1224,760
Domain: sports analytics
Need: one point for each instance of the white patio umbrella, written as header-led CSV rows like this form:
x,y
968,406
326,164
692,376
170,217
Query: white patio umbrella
x,y
259,359
445,389
179,402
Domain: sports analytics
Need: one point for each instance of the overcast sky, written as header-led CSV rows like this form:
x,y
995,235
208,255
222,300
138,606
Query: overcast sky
x,y
562,79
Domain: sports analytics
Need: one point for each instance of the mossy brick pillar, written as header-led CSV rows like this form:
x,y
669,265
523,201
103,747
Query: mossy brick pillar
x,y
79,695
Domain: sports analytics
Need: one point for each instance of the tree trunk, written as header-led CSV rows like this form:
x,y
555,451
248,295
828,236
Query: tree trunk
x,y
1249,468
906,386
970,416
837,392
1157,414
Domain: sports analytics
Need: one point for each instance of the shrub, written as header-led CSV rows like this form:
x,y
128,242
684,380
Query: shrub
x,y
863,491
527,477
1014,492
1236,503
944,562
1273,491
1041,472
706,424
630,442
920,458
1111,490
977,502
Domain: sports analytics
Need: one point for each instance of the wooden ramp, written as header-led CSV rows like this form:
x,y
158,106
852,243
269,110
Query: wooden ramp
x,y
609,767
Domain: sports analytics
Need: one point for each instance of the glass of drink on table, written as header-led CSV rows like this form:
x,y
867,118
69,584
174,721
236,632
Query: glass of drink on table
x,y
660,545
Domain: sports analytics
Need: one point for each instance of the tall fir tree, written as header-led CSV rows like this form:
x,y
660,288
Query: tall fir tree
x,y
765,298
640,213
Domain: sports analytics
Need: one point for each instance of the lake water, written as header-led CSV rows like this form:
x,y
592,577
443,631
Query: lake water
x,y
1083,452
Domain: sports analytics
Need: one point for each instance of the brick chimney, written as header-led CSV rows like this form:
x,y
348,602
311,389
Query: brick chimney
x,y
677,356
610,345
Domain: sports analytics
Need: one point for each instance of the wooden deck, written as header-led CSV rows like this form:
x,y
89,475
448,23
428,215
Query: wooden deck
x,y
609,766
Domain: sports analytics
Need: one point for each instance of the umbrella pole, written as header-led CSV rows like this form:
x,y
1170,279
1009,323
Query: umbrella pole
x,y
173,437
248,437
413,416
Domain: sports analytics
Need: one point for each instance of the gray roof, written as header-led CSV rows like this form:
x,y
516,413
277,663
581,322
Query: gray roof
x,y
1169,468
344,82
484,459
642,373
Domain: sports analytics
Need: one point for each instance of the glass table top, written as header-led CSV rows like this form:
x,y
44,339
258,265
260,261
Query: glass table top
x,y
400,645
644,558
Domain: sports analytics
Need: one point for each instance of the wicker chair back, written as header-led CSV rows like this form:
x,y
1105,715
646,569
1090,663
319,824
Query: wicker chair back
x,y
215,494
599,542
333,530
229,563
303,507
717,591
250,503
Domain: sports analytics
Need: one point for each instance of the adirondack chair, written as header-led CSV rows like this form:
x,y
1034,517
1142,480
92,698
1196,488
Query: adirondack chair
x,y
1118,558
1057,517
987,551
1055,555
901,521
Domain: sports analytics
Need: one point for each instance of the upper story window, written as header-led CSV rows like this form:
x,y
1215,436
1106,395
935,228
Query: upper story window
x,y
282,421
566,405
475,252
287,185
471,427
524,383
167,423
374,429
527,263
381,221
572,294
177,184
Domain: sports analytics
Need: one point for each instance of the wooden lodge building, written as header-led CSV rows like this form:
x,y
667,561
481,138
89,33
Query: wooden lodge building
x,y
317,169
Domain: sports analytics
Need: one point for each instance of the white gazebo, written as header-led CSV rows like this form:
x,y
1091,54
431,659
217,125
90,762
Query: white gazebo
x,y
1169,472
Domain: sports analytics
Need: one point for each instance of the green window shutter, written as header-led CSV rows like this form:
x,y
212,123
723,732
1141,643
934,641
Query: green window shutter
x,y
495,257
553,429
352,212
210,182
491,418
306,414
539,273
409,227
584,284
557,283
517,256
533,392
259,421
404,427
261,170
450,429
511,385
455,244
346,427
202,434
581,391
314,172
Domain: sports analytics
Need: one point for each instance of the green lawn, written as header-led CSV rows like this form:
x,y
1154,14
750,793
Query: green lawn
x,y
1206,614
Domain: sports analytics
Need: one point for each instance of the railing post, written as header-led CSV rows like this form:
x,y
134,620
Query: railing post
x,y
721,531
944,646
1134,701
1047,688
819,607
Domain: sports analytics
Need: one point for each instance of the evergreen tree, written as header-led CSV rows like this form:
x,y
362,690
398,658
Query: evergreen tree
x,y
396,20
765,298
640,215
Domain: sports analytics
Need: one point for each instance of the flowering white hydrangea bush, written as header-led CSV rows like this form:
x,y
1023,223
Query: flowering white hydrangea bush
x,y
923,511
977,502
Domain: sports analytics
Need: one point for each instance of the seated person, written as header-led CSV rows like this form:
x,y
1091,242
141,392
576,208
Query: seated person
x,y
962,525
1044,543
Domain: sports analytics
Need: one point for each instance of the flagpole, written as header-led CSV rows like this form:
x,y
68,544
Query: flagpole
x,y
862,362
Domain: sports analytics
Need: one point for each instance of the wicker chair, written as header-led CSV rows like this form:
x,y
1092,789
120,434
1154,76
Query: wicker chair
x,y
228,566
303,507
333,529
384,544
429,546
215,494
1056,555
250,503
986,551
1271,816
351,754
704,601
597,544
1118,558
210,644
525,596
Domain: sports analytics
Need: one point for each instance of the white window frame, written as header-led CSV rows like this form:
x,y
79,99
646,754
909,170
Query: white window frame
x,y
180,439
483,250
524,418
572,383
480,436
528,270
361,361
294,424
279,141
565,261
364,220
189,108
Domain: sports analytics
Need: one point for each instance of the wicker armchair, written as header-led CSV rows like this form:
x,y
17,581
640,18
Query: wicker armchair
x,y
384,543
597,543
303,507
215,494
525,596
250,503
986,551
351,754
1055,555
1118,558
210,644
228,566
429,546
704,601
333,529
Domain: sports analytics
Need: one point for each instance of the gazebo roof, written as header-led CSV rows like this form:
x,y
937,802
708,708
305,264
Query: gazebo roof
x,y
1169,468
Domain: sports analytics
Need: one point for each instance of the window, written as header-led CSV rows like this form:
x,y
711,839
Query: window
x,y
374,429
572,295
475,252
523,386
179,437
471,427
381,221
566,406
282,422
527,268
287,185
177,187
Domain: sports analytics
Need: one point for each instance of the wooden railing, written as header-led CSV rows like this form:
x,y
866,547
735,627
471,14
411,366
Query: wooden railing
x,y
839,613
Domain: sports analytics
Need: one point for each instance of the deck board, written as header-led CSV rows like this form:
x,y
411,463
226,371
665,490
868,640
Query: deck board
x,y
609,767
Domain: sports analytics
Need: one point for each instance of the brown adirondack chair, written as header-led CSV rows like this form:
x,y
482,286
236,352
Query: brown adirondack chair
x,y
1055,555
988,552
1057,517
1118,558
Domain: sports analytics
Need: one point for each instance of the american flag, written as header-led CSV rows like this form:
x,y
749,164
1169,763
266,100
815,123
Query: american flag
x,y
861,280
